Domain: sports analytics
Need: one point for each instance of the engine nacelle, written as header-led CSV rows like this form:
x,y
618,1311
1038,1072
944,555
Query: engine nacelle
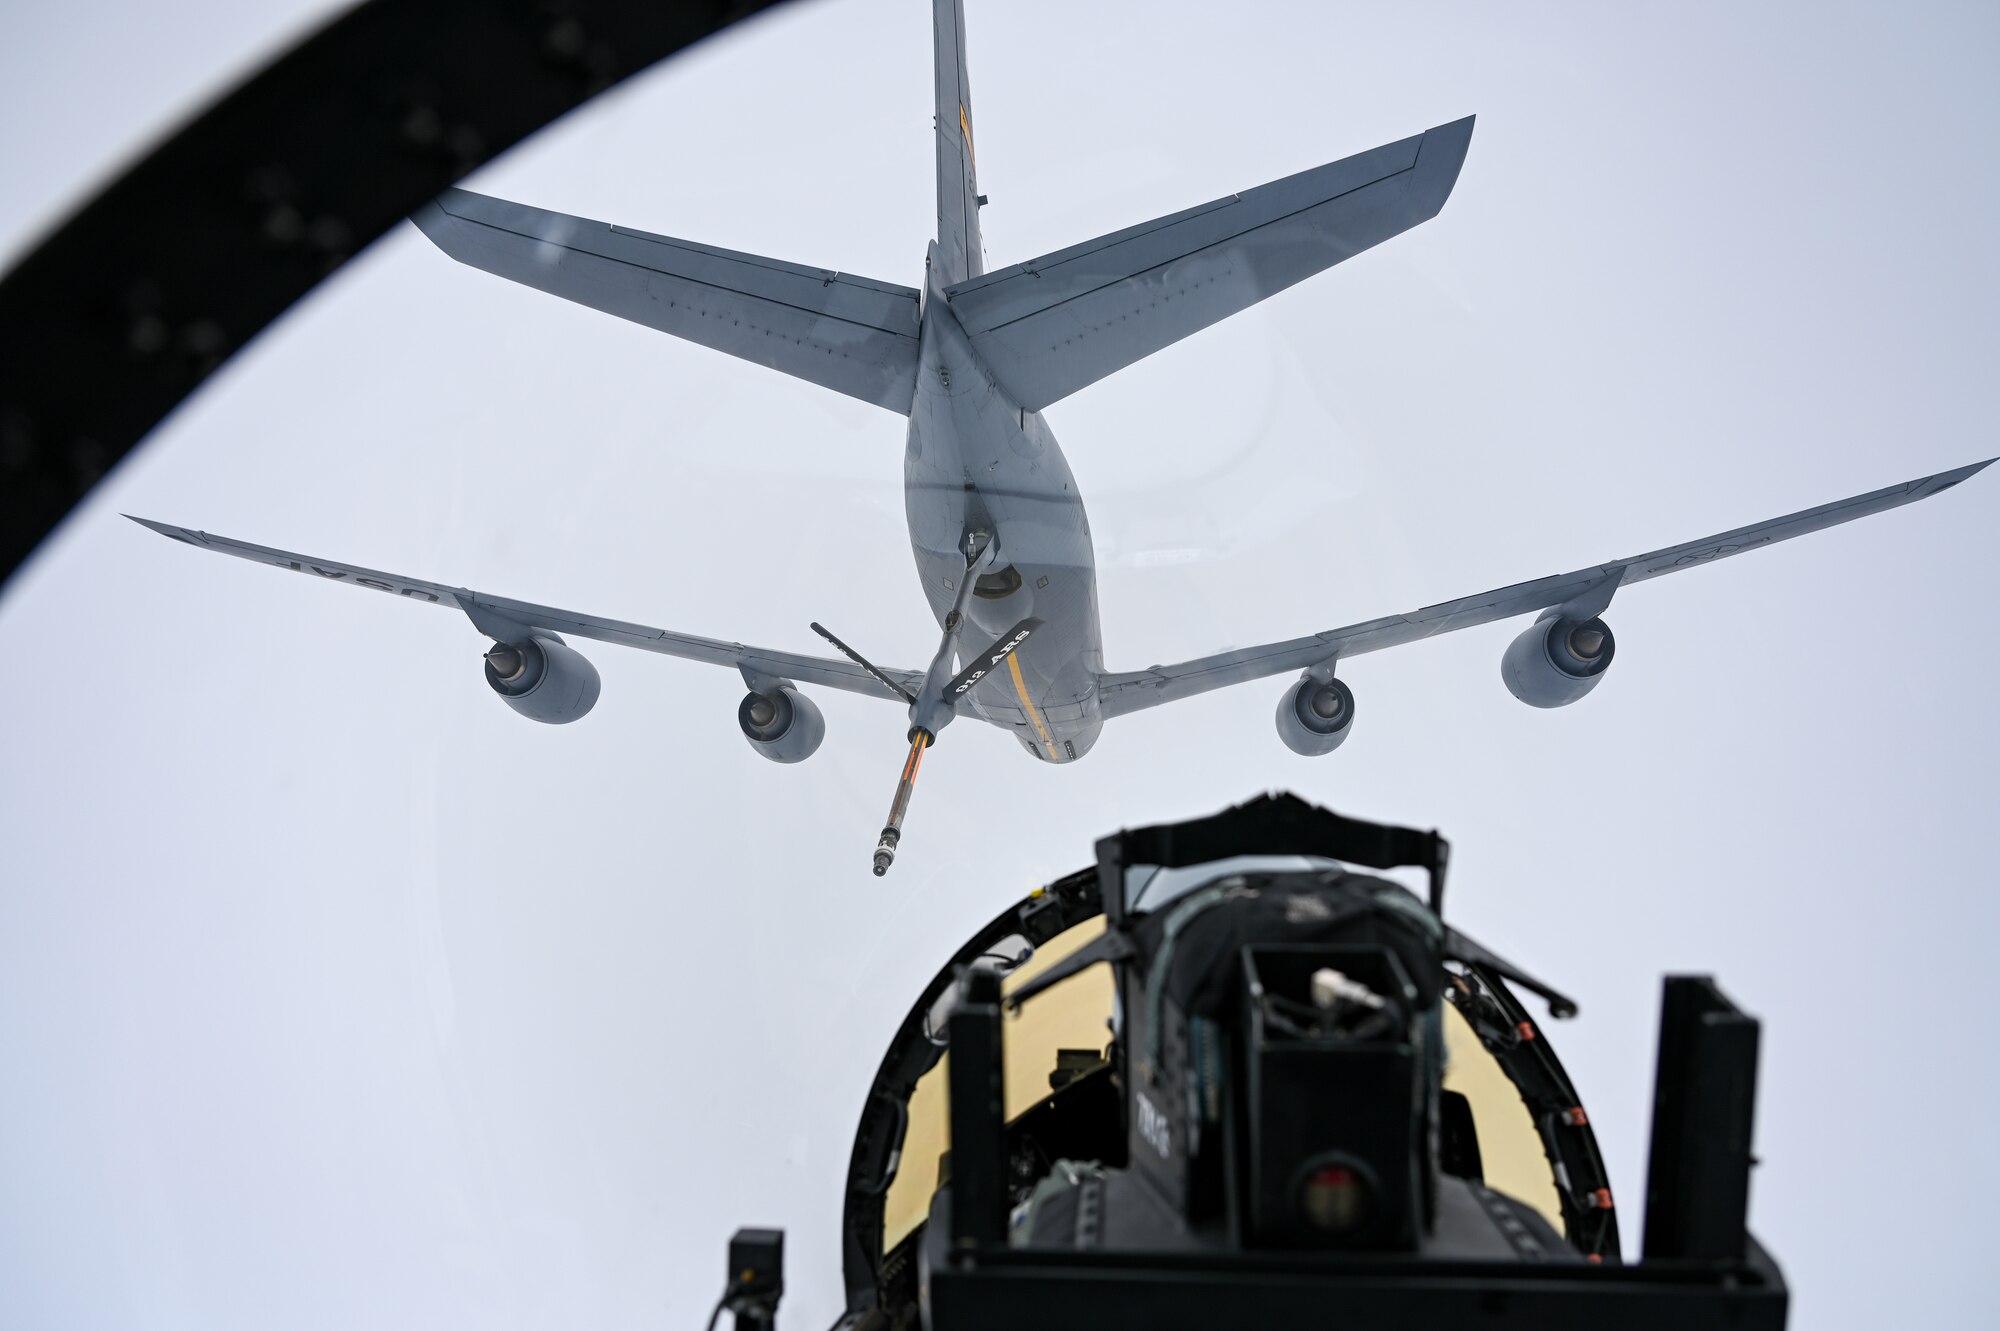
x,y
1554,663
1315,716
543,678
783,724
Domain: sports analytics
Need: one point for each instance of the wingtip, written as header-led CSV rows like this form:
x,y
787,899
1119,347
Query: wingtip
x,y
1439,159
432,221
1925,487
1455,134
166,529
439,218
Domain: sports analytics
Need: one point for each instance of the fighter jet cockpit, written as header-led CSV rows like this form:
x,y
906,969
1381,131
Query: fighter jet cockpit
x,y
1067,1032
1194,1069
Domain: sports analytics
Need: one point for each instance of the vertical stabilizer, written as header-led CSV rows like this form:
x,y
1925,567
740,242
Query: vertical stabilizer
x,y
957,164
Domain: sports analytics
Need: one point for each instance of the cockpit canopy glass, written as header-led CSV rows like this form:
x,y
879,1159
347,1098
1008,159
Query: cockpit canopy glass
x,y
1148,887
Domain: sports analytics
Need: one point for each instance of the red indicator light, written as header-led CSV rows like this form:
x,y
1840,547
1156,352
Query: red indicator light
x,y
1336,1199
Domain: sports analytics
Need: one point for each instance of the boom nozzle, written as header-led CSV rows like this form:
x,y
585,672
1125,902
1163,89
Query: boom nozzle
x,y
892,832
935,702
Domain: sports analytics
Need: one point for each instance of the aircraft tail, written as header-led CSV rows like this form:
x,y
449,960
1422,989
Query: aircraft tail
x,y
847,333
1054,324
957,165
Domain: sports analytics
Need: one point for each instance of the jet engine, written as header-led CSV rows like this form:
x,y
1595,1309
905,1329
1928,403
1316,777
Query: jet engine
x,y
1554,663
781,724
1315,715
543,678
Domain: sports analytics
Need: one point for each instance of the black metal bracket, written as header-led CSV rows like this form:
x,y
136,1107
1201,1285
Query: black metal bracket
x,y
1704,1101
1281,824
978,1115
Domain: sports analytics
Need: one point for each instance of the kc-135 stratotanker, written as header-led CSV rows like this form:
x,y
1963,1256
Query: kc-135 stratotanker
x,y
1002,544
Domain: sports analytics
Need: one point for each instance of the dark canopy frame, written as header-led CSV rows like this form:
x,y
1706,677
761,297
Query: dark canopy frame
x,y
125,308
886,1280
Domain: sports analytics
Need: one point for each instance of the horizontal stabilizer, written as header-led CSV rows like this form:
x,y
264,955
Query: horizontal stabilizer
x,y
1585,591
502,618
1052,325
850,334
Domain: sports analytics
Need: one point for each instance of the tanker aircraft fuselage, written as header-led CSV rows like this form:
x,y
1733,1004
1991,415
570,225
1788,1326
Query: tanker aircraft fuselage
x,y
976,463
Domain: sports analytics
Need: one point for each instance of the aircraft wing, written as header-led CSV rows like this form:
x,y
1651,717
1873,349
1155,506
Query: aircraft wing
x,y
1585,592
850,334
505,619
1052,325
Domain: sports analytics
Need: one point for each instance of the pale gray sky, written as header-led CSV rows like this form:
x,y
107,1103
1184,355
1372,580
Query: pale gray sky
x,y
333,994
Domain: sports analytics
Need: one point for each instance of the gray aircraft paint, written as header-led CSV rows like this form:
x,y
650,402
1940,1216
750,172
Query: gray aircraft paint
x,y
971,358
978,462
